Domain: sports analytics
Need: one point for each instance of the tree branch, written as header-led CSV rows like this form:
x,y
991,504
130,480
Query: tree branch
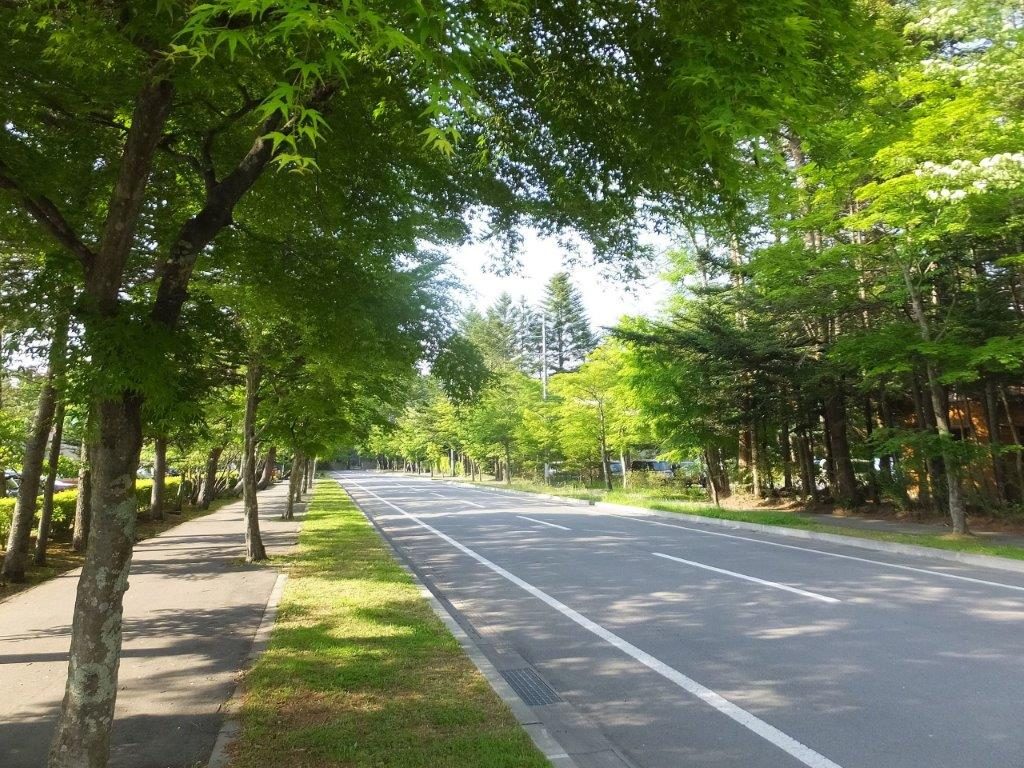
x,y
200,230
40,208
152,108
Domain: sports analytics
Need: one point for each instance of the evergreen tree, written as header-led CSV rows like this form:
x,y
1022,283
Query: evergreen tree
x,y
569,337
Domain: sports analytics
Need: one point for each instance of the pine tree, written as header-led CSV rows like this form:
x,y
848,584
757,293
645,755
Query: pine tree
x,y
569,337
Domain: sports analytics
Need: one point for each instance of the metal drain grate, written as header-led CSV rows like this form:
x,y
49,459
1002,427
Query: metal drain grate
x,y
530,687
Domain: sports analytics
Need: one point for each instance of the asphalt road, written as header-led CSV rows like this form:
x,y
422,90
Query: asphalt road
x,y
673,645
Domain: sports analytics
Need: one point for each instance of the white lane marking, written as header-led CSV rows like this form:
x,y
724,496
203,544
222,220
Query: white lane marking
x,y
826,553
769,733
542,522
775,584
471,503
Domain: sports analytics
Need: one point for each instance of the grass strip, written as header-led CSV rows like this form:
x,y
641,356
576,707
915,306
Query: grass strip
x,y
775,517
359,670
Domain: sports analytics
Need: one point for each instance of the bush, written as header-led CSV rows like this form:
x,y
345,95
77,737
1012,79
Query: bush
x,y
6,513
63,520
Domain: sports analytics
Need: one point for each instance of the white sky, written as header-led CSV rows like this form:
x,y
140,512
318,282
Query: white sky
x,y
606,299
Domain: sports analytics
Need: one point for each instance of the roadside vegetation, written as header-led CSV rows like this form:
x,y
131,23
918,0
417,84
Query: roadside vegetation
x,y
360,672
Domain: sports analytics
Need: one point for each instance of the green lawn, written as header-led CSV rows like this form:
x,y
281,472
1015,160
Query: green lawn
x,y
654,499
360,672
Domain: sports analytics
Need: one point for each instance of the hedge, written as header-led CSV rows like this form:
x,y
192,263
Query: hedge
x,y
64,508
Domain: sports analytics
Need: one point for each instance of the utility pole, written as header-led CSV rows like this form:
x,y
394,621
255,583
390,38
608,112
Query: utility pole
x,y
544,374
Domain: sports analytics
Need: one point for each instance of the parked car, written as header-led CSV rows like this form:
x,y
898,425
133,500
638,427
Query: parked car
x,y
662,468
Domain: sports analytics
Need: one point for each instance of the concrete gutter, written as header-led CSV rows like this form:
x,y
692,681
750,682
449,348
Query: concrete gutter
x,y
893,548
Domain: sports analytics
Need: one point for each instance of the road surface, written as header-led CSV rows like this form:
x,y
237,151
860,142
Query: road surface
x,y
649,643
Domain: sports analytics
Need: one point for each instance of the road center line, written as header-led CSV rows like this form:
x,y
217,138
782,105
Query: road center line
x,y
542,522
769,733
775,584
824,552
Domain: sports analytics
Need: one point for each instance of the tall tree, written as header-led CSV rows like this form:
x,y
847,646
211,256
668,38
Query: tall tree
x,y
567,329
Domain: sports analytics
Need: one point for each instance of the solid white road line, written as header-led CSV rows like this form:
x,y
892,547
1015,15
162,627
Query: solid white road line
x,y
769,733
754,579
535,520
825,553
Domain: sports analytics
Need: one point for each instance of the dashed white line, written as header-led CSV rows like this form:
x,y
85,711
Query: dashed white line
x,y
768,732
734,574
825,553
542,522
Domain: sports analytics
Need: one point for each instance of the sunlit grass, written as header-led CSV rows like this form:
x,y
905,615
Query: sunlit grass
x,y
360,672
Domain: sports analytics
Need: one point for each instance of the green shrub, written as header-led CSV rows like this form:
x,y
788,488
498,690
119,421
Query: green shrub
x,y
63,520
6,513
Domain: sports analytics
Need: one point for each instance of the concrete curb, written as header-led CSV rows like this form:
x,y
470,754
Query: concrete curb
x,y
893,548
220,757
541,737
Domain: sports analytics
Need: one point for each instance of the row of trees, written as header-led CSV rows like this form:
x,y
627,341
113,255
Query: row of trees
x,y
849,329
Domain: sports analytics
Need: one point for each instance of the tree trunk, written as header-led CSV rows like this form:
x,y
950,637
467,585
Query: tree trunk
x,y
847,491
992,427
83,729
16,557
508,464
806,460
46,514
1018,456
305,474
254,549
756,477
294,486
786,453
957,506
83,504
208,489
712,479
269,465
156,496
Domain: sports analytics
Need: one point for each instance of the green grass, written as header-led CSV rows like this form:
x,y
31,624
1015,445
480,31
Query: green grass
x,y
360,672
655,499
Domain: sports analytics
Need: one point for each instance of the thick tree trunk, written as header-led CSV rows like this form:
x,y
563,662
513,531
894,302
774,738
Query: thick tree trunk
x,y
46,514
254,549
83,729
269,465
156,496
83,504
208,489
847,491
16,557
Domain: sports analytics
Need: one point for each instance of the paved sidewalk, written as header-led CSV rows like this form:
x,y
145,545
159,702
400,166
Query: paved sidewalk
x,y
191,611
